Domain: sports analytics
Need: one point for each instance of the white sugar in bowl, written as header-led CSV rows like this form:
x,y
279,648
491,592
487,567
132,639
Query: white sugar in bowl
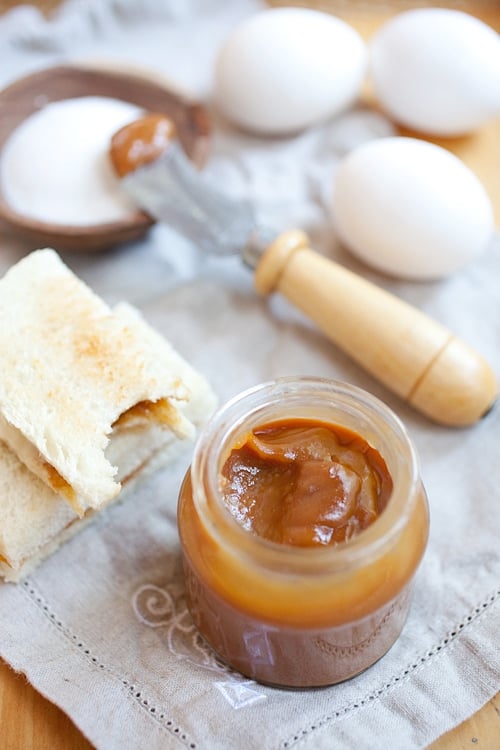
x,y
437,70
410,208
285,69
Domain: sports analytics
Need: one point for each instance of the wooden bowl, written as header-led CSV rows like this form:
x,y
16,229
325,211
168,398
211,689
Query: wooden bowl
x,y
29,94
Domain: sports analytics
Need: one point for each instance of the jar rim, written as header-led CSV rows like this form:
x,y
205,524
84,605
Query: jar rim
x,y
231,417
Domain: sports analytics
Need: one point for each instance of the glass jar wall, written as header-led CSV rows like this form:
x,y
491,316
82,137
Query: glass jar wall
x,y
301,616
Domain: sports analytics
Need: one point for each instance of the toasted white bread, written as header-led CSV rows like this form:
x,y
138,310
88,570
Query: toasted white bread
x,y
35,520
77,375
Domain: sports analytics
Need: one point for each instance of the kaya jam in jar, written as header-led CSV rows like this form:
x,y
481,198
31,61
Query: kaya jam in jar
x,y
302,576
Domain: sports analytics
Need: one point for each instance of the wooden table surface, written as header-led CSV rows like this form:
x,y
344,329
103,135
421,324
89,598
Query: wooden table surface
x,y
30,722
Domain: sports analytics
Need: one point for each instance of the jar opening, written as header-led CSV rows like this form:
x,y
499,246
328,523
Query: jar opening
x,y
333,403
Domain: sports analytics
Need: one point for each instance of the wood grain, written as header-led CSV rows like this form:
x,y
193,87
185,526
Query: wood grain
x,y
413,355
45,6
29,721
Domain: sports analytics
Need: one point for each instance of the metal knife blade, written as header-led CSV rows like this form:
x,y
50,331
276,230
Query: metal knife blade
x,y
171,190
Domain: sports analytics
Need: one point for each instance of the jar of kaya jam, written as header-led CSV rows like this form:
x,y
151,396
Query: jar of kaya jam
x,y
302,522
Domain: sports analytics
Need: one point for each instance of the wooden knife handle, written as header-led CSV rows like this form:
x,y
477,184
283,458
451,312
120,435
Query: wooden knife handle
x,y
414,356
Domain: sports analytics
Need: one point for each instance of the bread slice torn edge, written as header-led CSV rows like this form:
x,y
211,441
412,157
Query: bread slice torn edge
x,y
74,372
144,416
45,521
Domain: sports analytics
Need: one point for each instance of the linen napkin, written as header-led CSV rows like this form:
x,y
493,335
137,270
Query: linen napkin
x,y
101,628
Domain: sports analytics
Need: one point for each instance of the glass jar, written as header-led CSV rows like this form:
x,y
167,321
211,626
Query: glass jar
x,y
301,616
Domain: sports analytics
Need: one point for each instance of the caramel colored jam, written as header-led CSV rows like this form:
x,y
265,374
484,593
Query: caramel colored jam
x,y
305,483
160,411
58,483
141,142
312,584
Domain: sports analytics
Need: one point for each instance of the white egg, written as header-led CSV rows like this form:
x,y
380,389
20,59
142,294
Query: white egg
x,y
285,69
410,208
437,70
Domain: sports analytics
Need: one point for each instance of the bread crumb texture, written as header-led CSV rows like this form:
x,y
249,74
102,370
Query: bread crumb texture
x,y
71,368
31,514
